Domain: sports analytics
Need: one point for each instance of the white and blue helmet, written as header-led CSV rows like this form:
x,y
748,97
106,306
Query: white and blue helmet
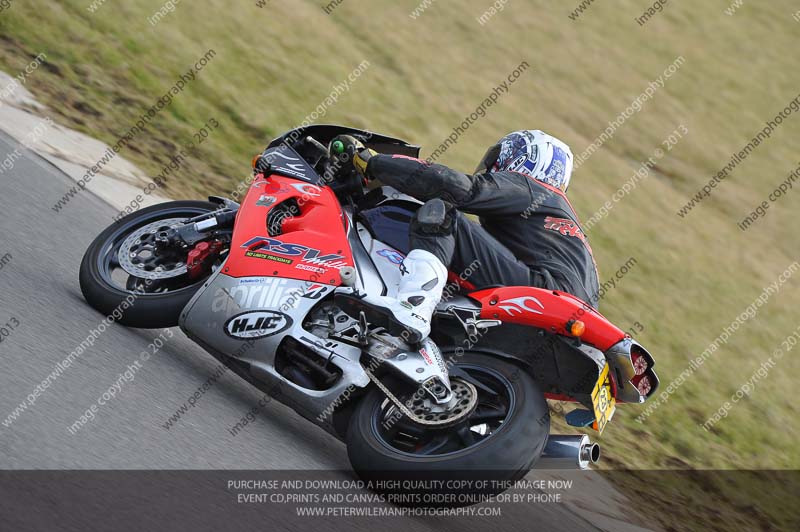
x,y
534,153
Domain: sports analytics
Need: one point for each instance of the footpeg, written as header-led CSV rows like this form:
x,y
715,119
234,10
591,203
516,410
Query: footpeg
x,y
473,326
579,418
468,319
363,329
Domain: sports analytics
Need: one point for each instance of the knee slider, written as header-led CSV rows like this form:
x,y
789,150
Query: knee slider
x,y
434,216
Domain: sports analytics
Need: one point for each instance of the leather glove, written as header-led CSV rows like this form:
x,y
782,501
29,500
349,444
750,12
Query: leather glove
x,y
361,160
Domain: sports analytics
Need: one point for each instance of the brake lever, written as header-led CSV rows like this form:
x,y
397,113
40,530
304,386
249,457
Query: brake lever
x,y
317,144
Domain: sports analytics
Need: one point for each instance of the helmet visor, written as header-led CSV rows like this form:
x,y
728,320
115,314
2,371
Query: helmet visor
x,y
488,159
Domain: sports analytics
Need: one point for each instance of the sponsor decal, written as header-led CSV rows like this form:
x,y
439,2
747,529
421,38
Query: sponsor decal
x,y
255,280
564,226
266,201
437,354
292,168
308,268
305,253
263,292
519,305
257,324
287,169
420,318
434,358
392,255
267,256
426,356
315,291
306,189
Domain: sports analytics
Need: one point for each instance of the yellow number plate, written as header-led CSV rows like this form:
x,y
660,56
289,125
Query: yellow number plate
x,y
602,400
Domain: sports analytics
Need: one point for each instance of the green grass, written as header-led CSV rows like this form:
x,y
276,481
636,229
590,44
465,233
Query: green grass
x,y
694,275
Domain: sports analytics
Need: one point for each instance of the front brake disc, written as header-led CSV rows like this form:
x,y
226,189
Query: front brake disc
x,y
139,257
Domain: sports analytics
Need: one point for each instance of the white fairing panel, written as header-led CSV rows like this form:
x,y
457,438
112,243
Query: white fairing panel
x,y
386,259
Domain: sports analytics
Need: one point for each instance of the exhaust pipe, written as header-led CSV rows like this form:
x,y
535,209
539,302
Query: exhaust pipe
x,y
568,452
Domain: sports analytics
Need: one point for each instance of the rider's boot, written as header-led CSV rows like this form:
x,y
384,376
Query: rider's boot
x,y
408,314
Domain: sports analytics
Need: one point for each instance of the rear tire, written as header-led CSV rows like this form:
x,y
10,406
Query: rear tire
x,y
505,455
148,310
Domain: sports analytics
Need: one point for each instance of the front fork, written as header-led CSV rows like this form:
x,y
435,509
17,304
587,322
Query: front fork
x,y
204,236
197,229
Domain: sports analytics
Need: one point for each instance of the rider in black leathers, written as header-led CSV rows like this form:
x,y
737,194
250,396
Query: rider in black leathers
x,y
528,234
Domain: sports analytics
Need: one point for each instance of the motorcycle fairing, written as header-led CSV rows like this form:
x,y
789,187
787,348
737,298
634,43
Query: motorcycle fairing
x,y
565,369
211,317
384,258
324,133
285,161
311,246
550,310
207,321
602,341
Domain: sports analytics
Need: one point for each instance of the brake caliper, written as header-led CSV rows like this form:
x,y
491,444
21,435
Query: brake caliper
x,y
199,260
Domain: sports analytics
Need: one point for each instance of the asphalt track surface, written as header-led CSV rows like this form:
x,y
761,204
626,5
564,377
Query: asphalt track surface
x,y
39,291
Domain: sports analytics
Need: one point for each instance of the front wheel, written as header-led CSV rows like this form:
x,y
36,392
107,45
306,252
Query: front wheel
x,y
125,273
500,440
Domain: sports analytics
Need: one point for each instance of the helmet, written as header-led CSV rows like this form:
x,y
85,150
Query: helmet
x,y
533,153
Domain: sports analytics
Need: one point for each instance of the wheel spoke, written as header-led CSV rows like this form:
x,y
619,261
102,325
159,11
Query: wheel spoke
x,y
480,385
436,444
466,436
155,286
494,398
405,426
132,283
485,414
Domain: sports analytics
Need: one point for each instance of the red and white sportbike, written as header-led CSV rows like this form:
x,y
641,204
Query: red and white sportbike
x,y
267,287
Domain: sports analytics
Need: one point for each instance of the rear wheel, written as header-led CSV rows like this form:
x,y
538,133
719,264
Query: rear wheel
x,y
500,440
124,260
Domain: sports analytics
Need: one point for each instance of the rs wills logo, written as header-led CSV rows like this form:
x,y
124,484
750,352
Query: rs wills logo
x,y
310,255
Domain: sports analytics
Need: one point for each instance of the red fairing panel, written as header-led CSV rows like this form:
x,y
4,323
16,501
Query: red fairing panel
x,y
547,309
312,246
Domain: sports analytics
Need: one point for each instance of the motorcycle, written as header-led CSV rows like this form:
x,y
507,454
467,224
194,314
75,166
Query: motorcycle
x,y
270,287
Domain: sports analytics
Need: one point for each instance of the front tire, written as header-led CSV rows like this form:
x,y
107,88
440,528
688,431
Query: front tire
x,y
149,309
505,452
